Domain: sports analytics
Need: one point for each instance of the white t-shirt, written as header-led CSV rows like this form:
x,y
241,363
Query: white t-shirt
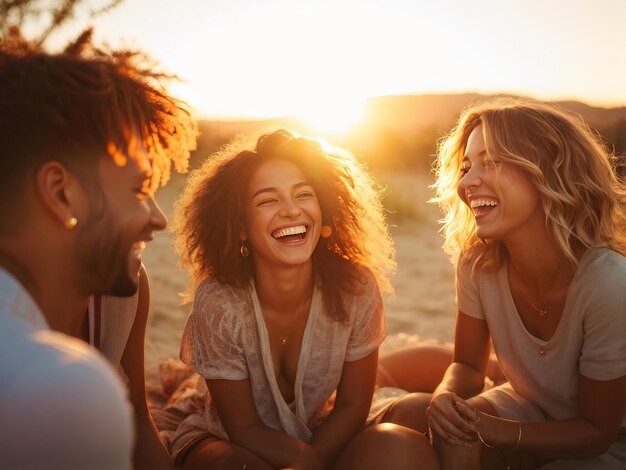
x,y
61,405
589,340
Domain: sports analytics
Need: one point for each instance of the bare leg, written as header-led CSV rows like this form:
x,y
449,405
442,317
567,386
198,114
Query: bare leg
x,y
409,411
420,368
218,454
388,446
415,369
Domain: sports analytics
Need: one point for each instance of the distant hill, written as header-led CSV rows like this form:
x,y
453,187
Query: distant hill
x,y
401,132
411,112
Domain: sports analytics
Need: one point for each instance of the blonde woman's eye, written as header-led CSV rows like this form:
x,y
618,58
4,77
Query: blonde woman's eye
x,y
464,170
492,163
305,194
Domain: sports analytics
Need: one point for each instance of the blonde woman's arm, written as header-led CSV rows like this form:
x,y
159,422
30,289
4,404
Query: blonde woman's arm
x,y
464,378
600,412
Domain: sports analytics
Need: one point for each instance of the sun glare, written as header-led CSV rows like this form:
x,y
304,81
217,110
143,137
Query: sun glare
x,y
335,118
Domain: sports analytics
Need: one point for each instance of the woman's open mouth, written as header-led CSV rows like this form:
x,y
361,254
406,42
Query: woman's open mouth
x,y
291,234
483,206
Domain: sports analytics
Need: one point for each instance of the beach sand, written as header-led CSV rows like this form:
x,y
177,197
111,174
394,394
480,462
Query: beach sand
x,y
423,307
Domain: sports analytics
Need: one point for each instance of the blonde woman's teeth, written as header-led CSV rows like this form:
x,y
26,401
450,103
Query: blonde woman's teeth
x,y
483,203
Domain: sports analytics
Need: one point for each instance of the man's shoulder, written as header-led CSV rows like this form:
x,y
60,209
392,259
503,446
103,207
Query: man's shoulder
x,y
63,392
46,358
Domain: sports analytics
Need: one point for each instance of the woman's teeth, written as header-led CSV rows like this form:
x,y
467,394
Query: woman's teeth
x,y
483,203
283,232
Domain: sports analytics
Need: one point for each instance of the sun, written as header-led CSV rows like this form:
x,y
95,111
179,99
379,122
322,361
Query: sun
x,y
337,117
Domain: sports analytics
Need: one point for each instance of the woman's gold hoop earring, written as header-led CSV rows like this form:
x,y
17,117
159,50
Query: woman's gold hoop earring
x,y
244,249
326,231
71,223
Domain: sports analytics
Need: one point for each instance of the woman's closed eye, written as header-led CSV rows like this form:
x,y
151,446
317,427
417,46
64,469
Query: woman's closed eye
x,y
490,164
266,202
305,195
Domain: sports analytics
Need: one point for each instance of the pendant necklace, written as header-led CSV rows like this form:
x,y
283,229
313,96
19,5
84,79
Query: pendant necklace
x,y
292,324
543,312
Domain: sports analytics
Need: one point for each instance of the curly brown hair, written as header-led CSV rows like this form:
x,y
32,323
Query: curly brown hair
x,y
210,214
79,105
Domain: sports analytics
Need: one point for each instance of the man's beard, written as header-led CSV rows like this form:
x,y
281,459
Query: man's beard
x,y
104,259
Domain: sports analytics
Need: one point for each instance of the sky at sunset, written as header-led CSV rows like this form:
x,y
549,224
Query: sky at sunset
x,y
320,59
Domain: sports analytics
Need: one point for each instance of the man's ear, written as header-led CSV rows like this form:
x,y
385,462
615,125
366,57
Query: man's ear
x,y
58,190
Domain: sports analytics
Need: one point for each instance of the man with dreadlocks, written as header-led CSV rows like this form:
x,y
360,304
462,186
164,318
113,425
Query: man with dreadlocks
x,y
86,137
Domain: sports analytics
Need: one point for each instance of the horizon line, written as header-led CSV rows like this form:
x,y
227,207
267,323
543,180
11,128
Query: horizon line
x,y
254,117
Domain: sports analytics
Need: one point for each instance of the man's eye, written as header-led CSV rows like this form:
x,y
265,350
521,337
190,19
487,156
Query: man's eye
x,y
142,193
144,190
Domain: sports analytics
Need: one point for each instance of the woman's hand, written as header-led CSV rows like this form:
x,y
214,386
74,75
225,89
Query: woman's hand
x,y
491,430
447,423
465,377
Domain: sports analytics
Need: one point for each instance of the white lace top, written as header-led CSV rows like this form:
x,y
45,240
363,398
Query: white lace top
x,y
225,338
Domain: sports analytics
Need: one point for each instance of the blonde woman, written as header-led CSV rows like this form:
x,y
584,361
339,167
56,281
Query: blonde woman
x,y
535,221
288,251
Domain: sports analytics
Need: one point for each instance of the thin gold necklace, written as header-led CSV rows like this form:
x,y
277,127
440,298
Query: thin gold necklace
x,y
543,312
291,326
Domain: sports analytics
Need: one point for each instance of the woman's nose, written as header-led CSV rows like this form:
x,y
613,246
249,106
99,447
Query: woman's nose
x,y
469,179
290,209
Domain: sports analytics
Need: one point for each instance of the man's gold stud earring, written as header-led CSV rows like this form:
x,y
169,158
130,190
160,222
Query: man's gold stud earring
x,y
71,223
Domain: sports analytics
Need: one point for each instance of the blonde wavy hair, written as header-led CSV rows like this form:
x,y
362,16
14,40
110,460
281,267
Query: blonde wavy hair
x,y
211,212
581,194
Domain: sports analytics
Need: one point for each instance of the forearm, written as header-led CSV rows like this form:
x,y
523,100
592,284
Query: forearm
x,y
337,430
277,448
150,453
461,379
572,438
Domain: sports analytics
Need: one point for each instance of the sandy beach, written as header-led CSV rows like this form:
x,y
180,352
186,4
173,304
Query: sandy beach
x,y
423,305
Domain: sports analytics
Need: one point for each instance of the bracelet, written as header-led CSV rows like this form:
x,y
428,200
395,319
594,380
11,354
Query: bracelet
x,y
483,441
480,438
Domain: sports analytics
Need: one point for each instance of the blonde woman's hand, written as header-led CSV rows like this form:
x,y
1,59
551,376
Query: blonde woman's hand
x,y
492,430
445,421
